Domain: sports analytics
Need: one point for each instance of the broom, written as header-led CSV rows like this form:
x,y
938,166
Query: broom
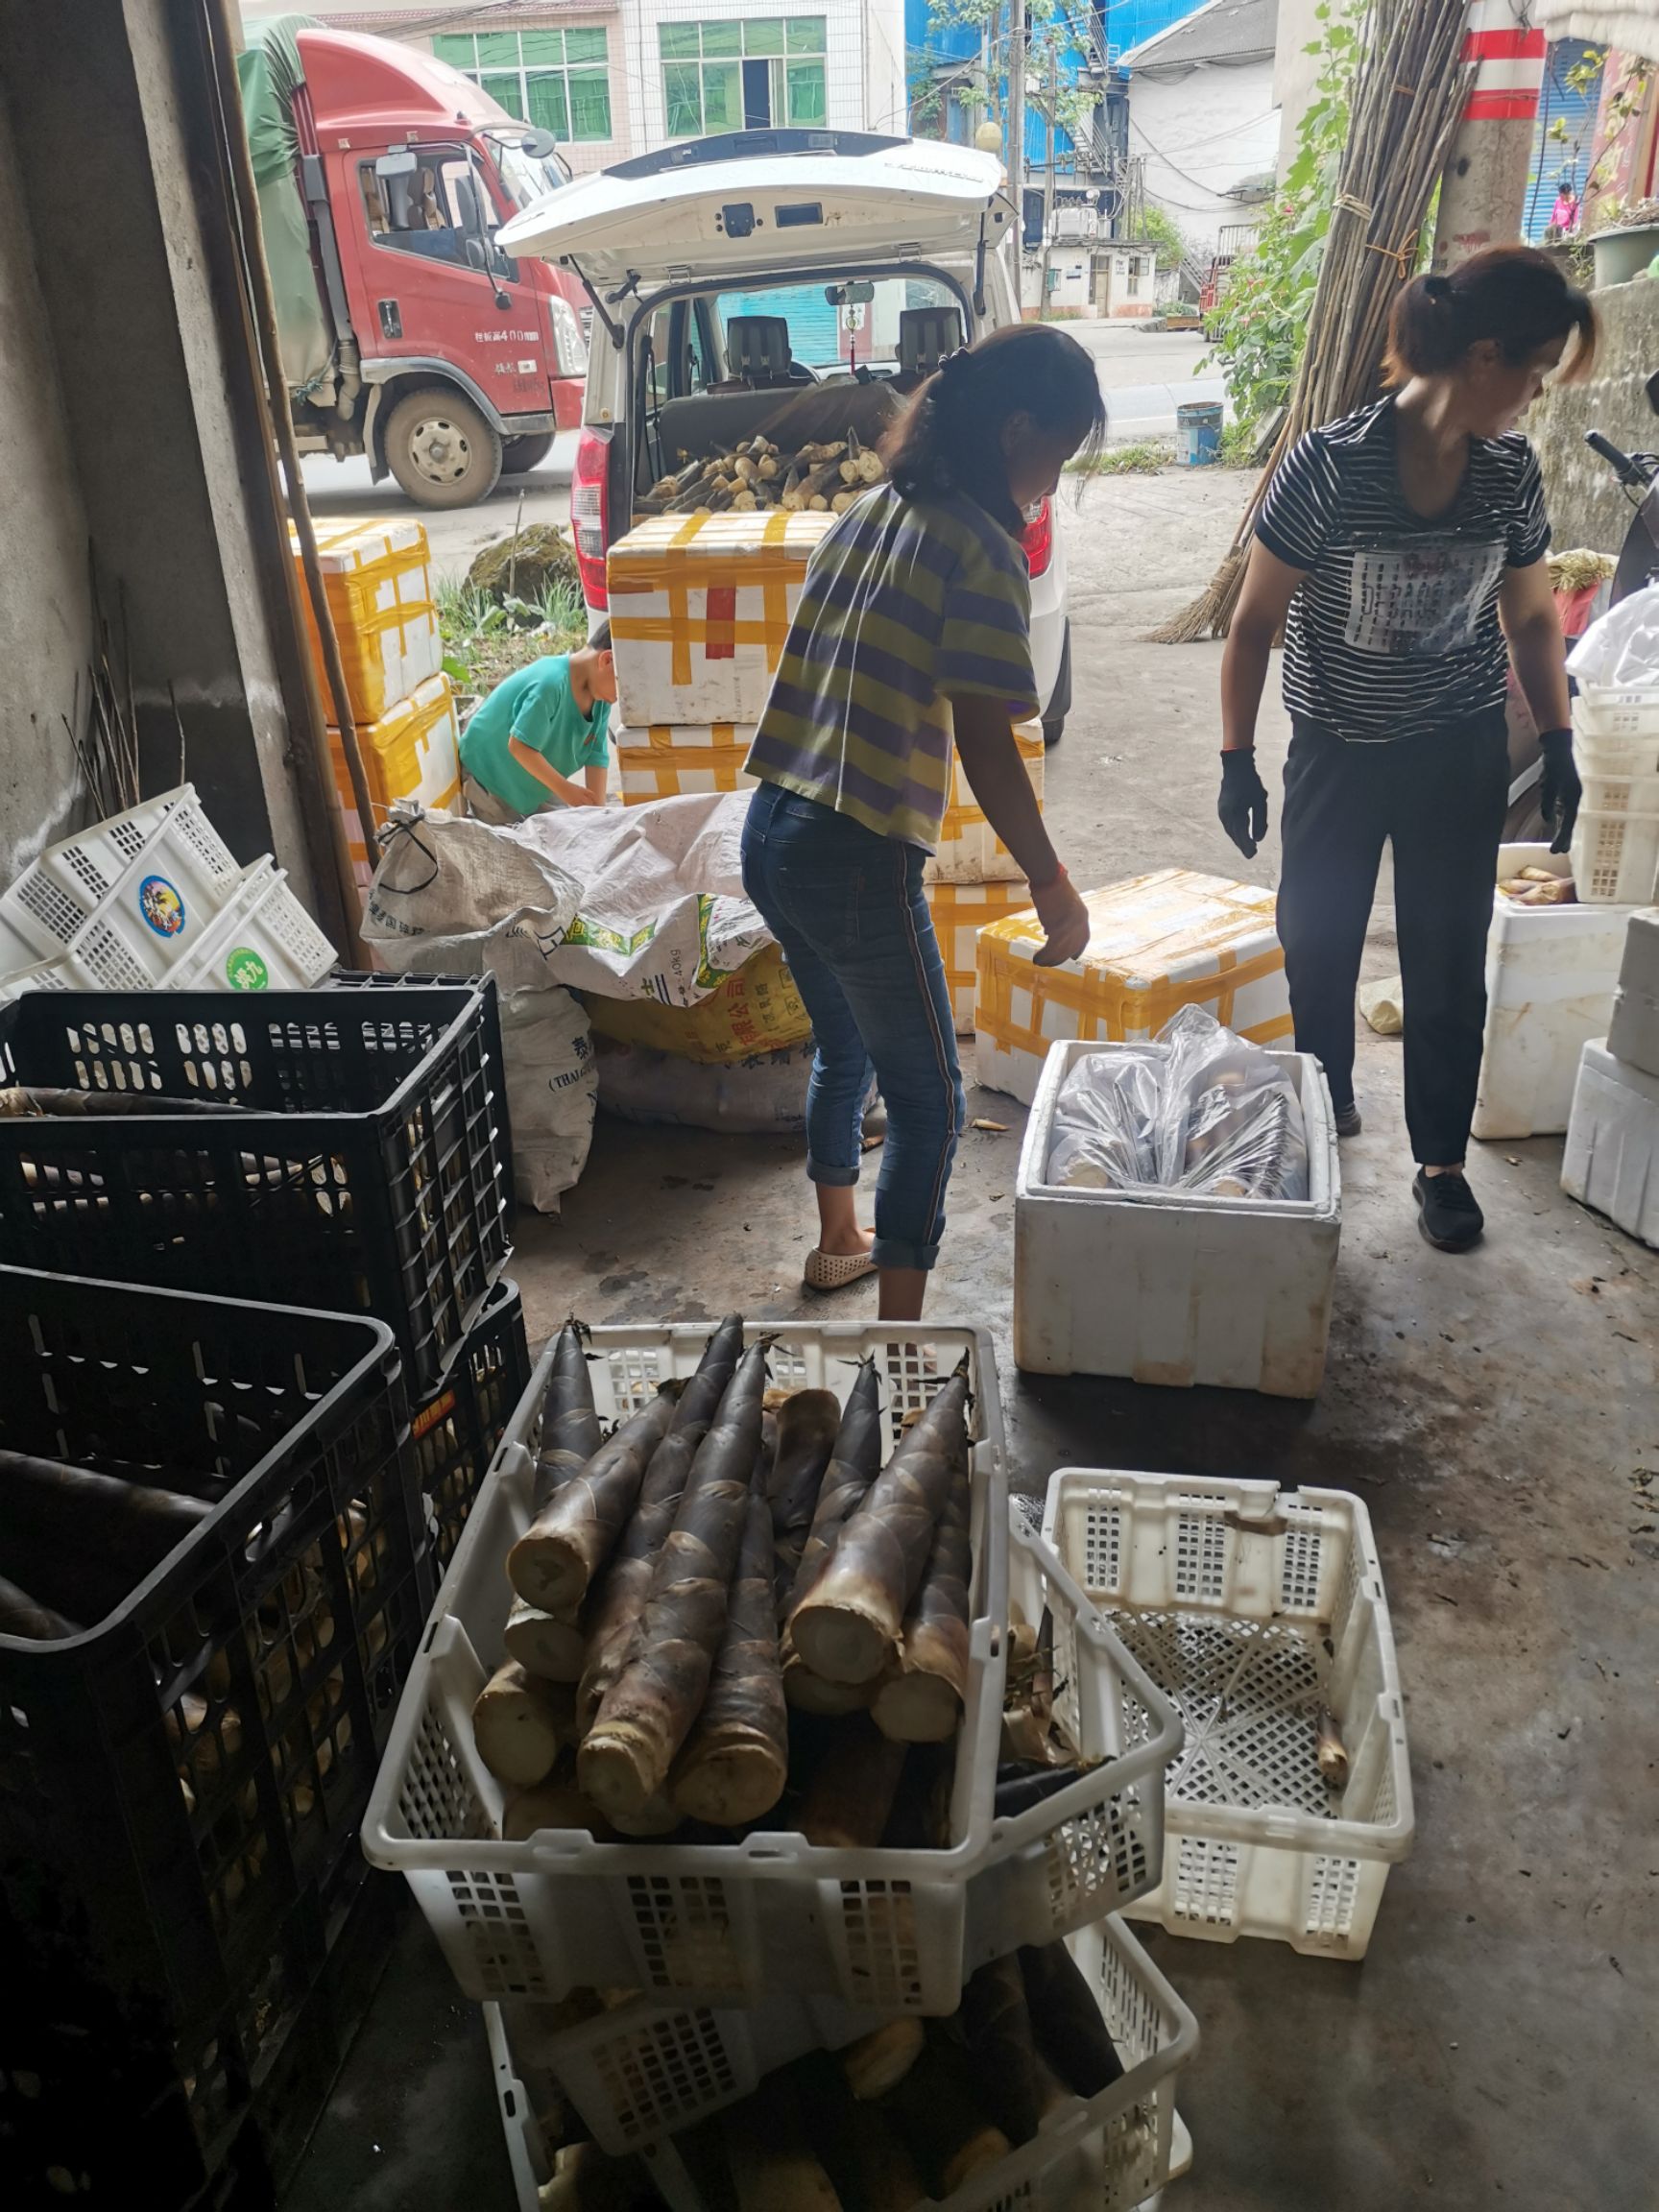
x,y
1409,95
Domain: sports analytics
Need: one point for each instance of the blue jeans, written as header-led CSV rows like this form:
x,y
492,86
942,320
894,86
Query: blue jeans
x,y
848,910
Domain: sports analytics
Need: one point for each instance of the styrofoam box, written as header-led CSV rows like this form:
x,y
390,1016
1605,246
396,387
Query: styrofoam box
x,y
639,2071
970,851
664,763
1633,1032
1616,859
1549,977
1158,942
1169,1288
1612,1156
1105,2154
154,875
700,609
1255,1609
719,1923
959,912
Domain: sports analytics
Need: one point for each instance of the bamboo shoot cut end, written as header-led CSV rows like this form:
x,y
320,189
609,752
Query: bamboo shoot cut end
x,y
733,1783
918,1709
614,1770
838,1644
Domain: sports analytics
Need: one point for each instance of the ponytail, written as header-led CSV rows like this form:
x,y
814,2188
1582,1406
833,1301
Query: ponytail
x,y
950,436
1511,295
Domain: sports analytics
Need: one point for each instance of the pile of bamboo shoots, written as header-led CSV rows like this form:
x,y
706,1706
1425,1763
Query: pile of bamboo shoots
x,y
824,476
731,1603
915,2109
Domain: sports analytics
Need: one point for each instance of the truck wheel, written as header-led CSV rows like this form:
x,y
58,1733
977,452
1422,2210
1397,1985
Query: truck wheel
x,y
440,449
519,455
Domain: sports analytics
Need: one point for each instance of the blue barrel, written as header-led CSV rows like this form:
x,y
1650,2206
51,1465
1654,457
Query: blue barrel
x,y
1198,433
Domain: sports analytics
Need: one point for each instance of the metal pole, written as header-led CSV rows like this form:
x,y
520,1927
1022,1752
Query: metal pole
x,y
1048,180
1483,190
1016,161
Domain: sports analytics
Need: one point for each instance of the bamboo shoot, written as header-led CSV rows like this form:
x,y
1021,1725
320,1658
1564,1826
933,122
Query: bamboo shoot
x,y
80,1541
848,1801
544,1645
649,1710
736,1758
520,1725
570,1425
923,1702
809,1425
21,1614
553,1562
1066,2020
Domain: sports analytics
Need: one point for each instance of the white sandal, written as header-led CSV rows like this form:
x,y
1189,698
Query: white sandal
x,y
836,1270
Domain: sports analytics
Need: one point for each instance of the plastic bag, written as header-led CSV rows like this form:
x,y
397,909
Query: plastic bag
x,y
1198,1109
765,1095
552,1089
1620,651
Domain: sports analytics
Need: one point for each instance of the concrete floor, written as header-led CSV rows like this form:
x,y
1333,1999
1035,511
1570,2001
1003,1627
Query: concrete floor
x,y
1497,1414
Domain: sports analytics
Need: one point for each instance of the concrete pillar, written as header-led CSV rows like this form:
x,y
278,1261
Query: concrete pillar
x,y
1484,191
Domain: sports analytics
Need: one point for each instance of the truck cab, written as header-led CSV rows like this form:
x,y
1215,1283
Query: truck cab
x,y
453,359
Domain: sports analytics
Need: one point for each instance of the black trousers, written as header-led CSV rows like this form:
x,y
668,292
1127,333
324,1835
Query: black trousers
x,y
1440,798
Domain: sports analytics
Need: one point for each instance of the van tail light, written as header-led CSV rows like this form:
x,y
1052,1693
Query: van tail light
x,y
1037,538
589,511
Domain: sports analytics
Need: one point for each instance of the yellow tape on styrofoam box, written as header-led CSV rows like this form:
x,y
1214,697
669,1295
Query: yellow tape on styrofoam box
x,y
377,577
413,751
756,1010
1157,942
700,609
960,911
970,851
667,762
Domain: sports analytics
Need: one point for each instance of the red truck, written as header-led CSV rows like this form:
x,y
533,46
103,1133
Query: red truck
x,y
408,335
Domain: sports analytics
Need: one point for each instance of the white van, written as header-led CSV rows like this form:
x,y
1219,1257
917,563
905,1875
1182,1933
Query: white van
x,y
710,268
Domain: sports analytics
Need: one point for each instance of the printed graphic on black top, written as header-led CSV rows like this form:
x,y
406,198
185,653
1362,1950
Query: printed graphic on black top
x,y
1418,597
1395,628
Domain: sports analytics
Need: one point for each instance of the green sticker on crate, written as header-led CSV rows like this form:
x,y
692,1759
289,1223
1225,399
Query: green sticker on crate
x,y
246,971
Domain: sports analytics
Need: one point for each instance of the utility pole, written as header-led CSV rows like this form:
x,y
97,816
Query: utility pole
x,y
1049,179
1016,163
1483,189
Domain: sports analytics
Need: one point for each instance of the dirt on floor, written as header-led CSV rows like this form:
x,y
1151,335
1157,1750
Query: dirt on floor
x,y
1498,1414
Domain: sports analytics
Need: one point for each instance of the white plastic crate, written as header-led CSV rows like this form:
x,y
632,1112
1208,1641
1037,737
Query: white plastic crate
x,y
263,941
1107,2154
1614,859
1254,1609
157,872
1624,714
725,1924
1612,1156
640,2072
1609,794
1549,977
1169,1288
1633,1031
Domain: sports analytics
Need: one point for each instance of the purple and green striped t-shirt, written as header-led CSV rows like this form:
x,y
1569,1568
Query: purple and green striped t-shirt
x,y
906,605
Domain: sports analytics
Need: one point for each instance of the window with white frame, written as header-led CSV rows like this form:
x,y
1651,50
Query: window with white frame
x,y
748,75
558,80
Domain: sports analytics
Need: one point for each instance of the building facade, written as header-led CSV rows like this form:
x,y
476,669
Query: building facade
x,y
613,77
1204,117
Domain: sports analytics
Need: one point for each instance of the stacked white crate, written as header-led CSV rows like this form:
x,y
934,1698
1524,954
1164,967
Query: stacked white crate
x,y
792,1942
1612,1156
1615,839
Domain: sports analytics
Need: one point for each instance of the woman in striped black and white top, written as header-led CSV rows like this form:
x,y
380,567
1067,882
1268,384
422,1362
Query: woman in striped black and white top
x,y
1400,550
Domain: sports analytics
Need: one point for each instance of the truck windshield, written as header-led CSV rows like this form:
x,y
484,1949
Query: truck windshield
x,y
524,178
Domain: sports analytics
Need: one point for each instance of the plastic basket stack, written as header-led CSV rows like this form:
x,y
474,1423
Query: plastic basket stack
x,y
377,577
746,1956
186,1924
1612,1156
972,879
153,900
1616,840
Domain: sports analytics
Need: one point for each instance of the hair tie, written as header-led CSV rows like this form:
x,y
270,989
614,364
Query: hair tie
x,y
954,364
1437,288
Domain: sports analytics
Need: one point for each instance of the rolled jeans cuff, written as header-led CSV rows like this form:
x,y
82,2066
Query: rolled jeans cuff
x,y
836,1178
894,1252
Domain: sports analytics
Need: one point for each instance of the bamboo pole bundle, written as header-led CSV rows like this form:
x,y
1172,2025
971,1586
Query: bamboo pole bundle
x,y
1409,94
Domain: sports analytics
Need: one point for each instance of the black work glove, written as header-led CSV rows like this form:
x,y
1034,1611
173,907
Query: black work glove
x,y
1559,789
1243,803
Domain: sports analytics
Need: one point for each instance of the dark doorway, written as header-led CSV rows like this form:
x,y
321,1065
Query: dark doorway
x,y
757,95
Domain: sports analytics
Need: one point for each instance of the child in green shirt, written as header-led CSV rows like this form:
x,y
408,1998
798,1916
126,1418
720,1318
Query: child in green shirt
x,y
523,748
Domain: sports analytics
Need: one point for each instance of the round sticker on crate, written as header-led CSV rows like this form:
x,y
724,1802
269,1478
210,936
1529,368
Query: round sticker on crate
x,y
162,905
244,970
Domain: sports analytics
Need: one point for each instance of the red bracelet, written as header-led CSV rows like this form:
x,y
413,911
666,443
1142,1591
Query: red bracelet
x,y
1053,882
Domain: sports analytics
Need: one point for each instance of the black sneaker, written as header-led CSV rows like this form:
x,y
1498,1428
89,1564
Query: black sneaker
x,y
1448,1212
1347,1119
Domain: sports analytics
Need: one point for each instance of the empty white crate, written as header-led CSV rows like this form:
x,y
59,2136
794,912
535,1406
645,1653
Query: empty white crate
x,y
1628,716
152,879
1254,1609
1633,1031
263,941
1549,977
1169,1288
1107,2154
1612,1156
722,1923
1614,859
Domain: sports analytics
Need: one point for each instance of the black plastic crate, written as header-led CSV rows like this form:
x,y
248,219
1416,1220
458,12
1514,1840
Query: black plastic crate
x,y
181,1785
453,1434
370,1173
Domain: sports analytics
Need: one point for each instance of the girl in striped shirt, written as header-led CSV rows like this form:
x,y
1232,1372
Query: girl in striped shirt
x,y
912,627
1400,550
